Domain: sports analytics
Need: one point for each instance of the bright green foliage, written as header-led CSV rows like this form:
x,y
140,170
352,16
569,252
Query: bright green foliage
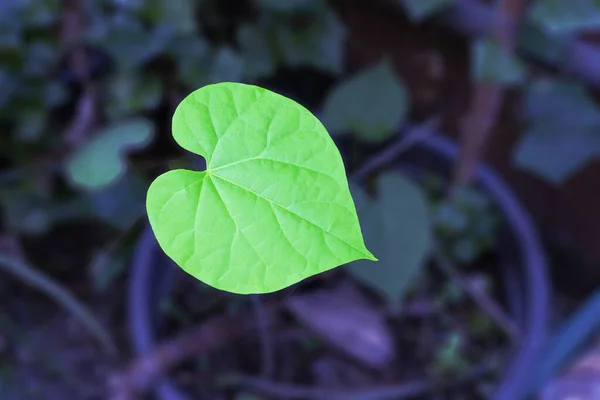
x,y
397,227
491,63
418,10
562,16
370,105
99,162
273,206
563,133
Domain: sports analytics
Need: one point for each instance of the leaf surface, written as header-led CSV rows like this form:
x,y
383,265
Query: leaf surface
x,y
273,206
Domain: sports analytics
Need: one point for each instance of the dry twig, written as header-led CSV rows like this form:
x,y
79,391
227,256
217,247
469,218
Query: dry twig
x,y
487,97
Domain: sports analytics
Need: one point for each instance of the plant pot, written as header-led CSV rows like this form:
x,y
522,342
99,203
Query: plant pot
x,y
525,276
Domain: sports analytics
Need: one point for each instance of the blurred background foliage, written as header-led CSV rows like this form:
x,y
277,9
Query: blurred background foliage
x,y
87,90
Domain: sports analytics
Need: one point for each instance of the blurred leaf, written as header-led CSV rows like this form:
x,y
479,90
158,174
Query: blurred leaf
x,y
31,124
121,203
449,358
193,60
37,279
259,60
556,156
25,211
541,44
563,134
181,14
560,16
319,44
131,92
419,10
99,162
397,227
54,94
9,84
227,66
128,42
41,59
493,64
465,224
285,6
106,266
371,105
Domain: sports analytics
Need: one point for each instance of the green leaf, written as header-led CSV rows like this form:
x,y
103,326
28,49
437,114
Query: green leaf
x,y
25,211
128,41
257,52
370,105
559,16
418,10
563,133
285,6
31,124
273,206
228,66
319,44
99,162
193,60
491,63
121,203
397,226
131,92
181,14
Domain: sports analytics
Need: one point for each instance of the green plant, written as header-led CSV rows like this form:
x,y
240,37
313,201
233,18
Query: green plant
x,y
273,206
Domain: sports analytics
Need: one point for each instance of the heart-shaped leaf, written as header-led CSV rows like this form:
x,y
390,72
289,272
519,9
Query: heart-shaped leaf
x,y
398,227
273,206
99,163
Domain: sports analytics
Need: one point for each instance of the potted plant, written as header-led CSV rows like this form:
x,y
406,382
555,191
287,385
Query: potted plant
x,y
517,258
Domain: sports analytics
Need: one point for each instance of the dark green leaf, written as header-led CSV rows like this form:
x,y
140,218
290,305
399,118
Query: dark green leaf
x,y
129,93
31,124
419,10
493,64
370,105
227,66
286,6
257,52
563,134
397,228
121,203
566,16
319,44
